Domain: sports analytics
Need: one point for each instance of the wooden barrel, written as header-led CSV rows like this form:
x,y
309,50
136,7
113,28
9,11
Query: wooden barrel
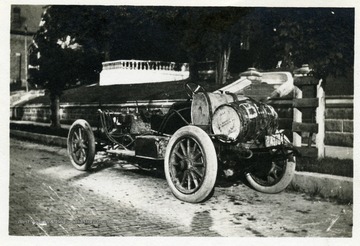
x,y
243,120
204,105
268,119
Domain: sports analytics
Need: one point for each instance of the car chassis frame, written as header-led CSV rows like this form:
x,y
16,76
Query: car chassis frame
x,y
193,154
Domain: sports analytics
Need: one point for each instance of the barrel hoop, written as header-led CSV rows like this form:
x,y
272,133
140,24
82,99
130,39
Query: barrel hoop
x,y
210,107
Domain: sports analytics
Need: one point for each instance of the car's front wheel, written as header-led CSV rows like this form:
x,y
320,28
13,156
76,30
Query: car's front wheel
x,y
191,164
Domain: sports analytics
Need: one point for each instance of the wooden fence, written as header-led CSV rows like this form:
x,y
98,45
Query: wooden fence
x,y
316,105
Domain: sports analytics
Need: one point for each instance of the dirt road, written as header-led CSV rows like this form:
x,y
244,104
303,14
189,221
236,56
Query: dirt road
x,y
49,197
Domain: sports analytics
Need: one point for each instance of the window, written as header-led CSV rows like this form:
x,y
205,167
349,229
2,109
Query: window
x,y
16,17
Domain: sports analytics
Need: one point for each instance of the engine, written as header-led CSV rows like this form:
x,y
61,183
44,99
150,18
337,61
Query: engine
x,y
234,118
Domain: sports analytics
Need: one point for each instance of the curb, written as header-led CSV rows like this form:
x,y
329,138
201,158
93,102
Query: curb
x,y
324,185
39,138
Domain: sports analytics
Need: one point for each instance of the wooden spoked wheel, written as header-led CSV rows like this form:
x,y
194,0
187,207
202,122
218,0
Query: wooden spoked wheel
x,y
272,176
191,164
81,145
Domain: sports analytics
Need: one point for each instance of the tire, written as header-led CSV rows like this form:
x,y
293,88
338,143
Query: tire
x,y
81,145
191,164
274,179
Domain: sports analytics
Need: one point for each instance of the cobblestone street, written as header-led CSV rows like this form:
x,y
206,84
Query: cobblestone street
x,y
42,205
49,197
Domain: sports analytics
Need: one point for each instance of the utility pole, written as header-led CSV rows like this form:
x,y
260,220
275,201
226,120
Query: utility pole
x,y
26,61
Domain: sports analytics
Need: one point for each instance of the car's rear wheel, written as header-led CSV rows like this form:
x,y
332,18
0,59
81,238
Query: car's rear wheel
x,y
191,164
81,145
272,176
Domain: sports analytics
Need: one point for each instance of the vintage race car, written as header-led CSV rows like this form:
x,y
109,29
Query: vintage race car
x,y
210,133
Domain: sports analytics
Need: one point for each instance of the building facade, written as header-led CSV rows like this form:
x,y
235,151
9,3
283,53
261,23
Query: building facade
x,y
25,21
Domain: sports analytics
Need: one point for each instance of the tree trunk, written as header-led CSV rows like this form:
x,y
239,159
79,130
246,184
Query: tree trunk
x,y
226,58
193,70
107,50
219,69
55,110
223,64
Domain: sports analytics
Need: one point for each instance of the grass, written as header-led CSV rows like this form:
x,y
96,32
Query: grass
x,y
333,166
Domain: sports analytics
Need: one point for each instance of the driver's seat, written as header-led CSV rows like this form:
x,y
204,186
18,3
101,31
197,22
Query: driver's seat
x,y
171,121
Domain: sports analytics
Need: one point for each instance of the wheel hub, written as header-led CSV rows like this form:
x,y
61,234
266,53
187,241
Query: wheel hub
x,y
79,143
186,164
189,163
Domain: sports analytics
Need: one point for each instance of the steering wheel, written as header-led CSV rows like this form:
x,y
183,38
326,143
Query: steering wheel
x,y
193,88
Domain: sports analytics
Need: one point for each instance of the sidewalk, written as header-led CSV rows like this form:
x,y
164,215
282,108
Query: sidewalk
x,y
18,97
31,123
328,186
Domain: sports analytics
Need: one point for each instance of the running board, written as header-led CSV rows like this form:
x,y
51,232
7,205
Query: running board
x,y
130,153
122,152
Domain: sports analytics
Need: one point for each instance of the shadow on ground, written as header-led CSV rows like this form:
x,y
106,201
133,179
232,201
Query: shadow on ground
x,y
149,168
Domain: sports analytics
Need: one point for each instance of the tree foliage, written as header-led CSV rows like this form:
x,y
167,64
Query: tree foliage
x,y
63,47
324,38
73,40
65,50
260,37
205,33
320,37
212,34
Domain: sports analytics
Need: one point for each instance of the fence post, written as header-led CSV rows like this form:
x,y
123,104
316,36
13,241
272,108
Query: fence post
x,y
297,117
320,120
315,103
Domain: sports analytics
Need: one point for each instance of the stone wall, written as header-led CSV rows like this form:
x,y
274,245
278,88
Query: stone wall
x,y
339,115
71,112
338,124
